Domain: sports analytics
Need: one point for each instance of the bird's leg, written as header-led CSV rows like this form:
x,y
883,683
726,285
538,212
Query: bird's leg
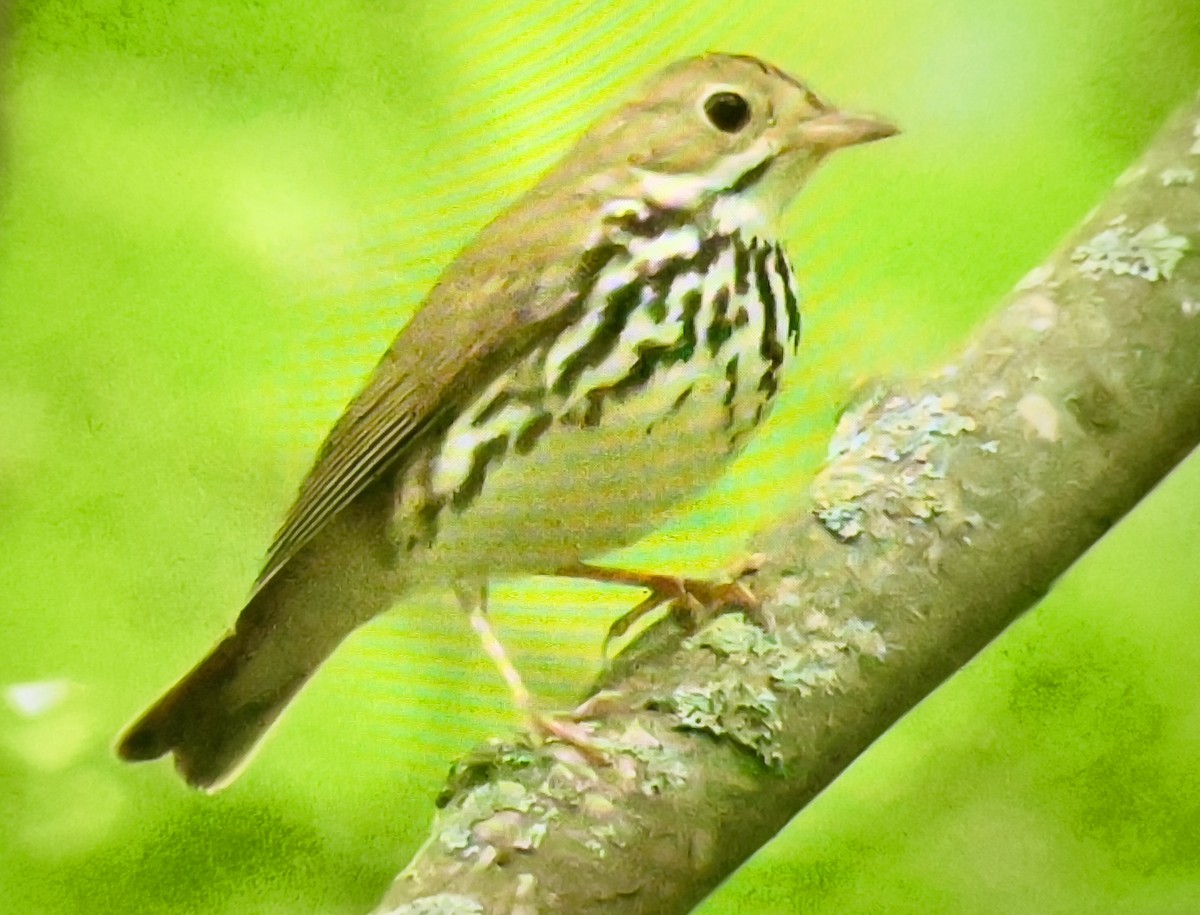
x,y
696,597
542,726
477,613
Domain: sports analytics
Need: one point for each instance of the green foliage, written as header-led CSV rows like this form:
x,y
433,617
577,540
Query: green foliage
x,y
214,215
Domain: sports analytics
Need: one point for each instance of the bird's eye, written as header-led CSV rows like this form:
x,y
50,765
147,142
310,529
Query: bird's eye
x,y
727,111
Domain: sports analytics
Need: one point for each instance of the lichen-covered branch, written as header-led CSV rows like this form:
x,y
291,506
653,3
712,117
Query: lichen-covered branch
x,y
949,504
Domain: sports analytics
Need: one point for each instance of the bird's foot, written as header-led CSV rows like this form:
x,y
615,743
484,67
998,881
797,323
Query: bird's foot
x,y
695,600
542,727
567,729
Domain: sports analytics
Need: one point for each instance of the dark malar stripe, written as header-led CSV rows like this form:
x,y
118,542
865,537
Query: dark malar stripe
x,y
770,348
751,177
790,301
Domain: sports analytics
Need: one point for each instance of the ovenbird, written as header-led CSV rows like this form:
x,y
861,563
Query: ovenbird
x,y
596,355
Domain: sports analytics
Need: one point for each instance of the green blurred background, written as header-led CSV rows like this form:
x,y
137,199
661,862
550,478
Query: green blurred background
x,y
215,215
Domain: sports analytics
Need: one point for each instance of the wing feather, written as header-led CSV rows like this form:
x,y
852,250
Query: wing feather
x,y
491,306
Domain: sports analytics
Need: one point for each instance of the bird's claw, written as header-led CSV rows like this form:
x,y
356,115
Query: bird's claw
x,y
695,601
569,731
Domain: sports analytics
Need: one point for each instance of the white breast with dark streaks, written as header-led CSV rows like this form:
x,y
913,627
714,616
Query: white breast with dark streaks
x,y
636,407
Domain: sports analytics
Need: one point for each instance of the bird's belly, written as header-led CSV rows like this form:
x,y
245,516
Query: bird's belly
x,y
585,489
590,484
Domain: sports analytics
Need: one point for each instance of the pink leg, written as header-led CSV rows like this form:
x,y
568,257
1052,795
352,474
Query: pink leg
x,y
541,725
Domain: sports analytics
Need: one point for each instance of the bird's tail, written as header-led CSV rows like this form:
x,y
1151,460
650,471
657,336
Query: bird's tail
x,y
214,717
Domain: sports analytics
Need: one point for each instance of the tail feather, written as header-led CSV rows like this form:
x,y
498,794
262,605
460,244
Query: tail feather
x,y
200,720
214,717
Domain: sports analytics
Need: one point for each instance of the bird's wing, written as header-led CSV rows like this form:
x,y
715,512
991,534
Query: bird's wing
x,y
491,306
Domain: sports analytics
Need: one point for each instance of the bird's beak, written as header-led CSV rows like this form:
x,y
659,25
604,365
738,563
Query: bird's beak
x,y
836,129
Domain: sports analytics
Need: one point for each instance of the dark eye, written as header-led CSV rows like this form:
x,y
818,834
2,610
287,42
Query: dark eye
x,y
727,111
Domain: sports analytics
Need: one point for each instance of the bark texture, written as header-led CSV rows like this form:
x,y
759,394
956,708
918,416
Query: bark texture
x,y
949,505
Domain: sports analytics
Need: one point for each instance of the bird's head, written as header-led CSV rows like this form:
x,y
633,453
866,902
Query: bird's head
x,y
724,131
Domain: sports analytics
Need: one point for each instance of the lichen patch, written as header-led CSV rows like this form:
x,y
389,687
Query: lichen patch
x,y
888,464
1150,254
744,672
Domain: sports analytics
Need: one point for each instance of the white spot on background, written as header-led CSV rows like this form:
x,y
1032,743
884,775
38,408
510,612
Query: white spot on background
x,y
36,698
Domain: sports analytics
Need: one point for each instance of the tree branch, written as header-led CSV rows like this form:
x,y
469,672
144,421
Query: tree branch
x,y
949,505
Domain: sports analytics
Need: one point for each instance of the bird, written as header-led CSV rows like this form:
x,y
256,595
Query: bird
x,y
596,356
